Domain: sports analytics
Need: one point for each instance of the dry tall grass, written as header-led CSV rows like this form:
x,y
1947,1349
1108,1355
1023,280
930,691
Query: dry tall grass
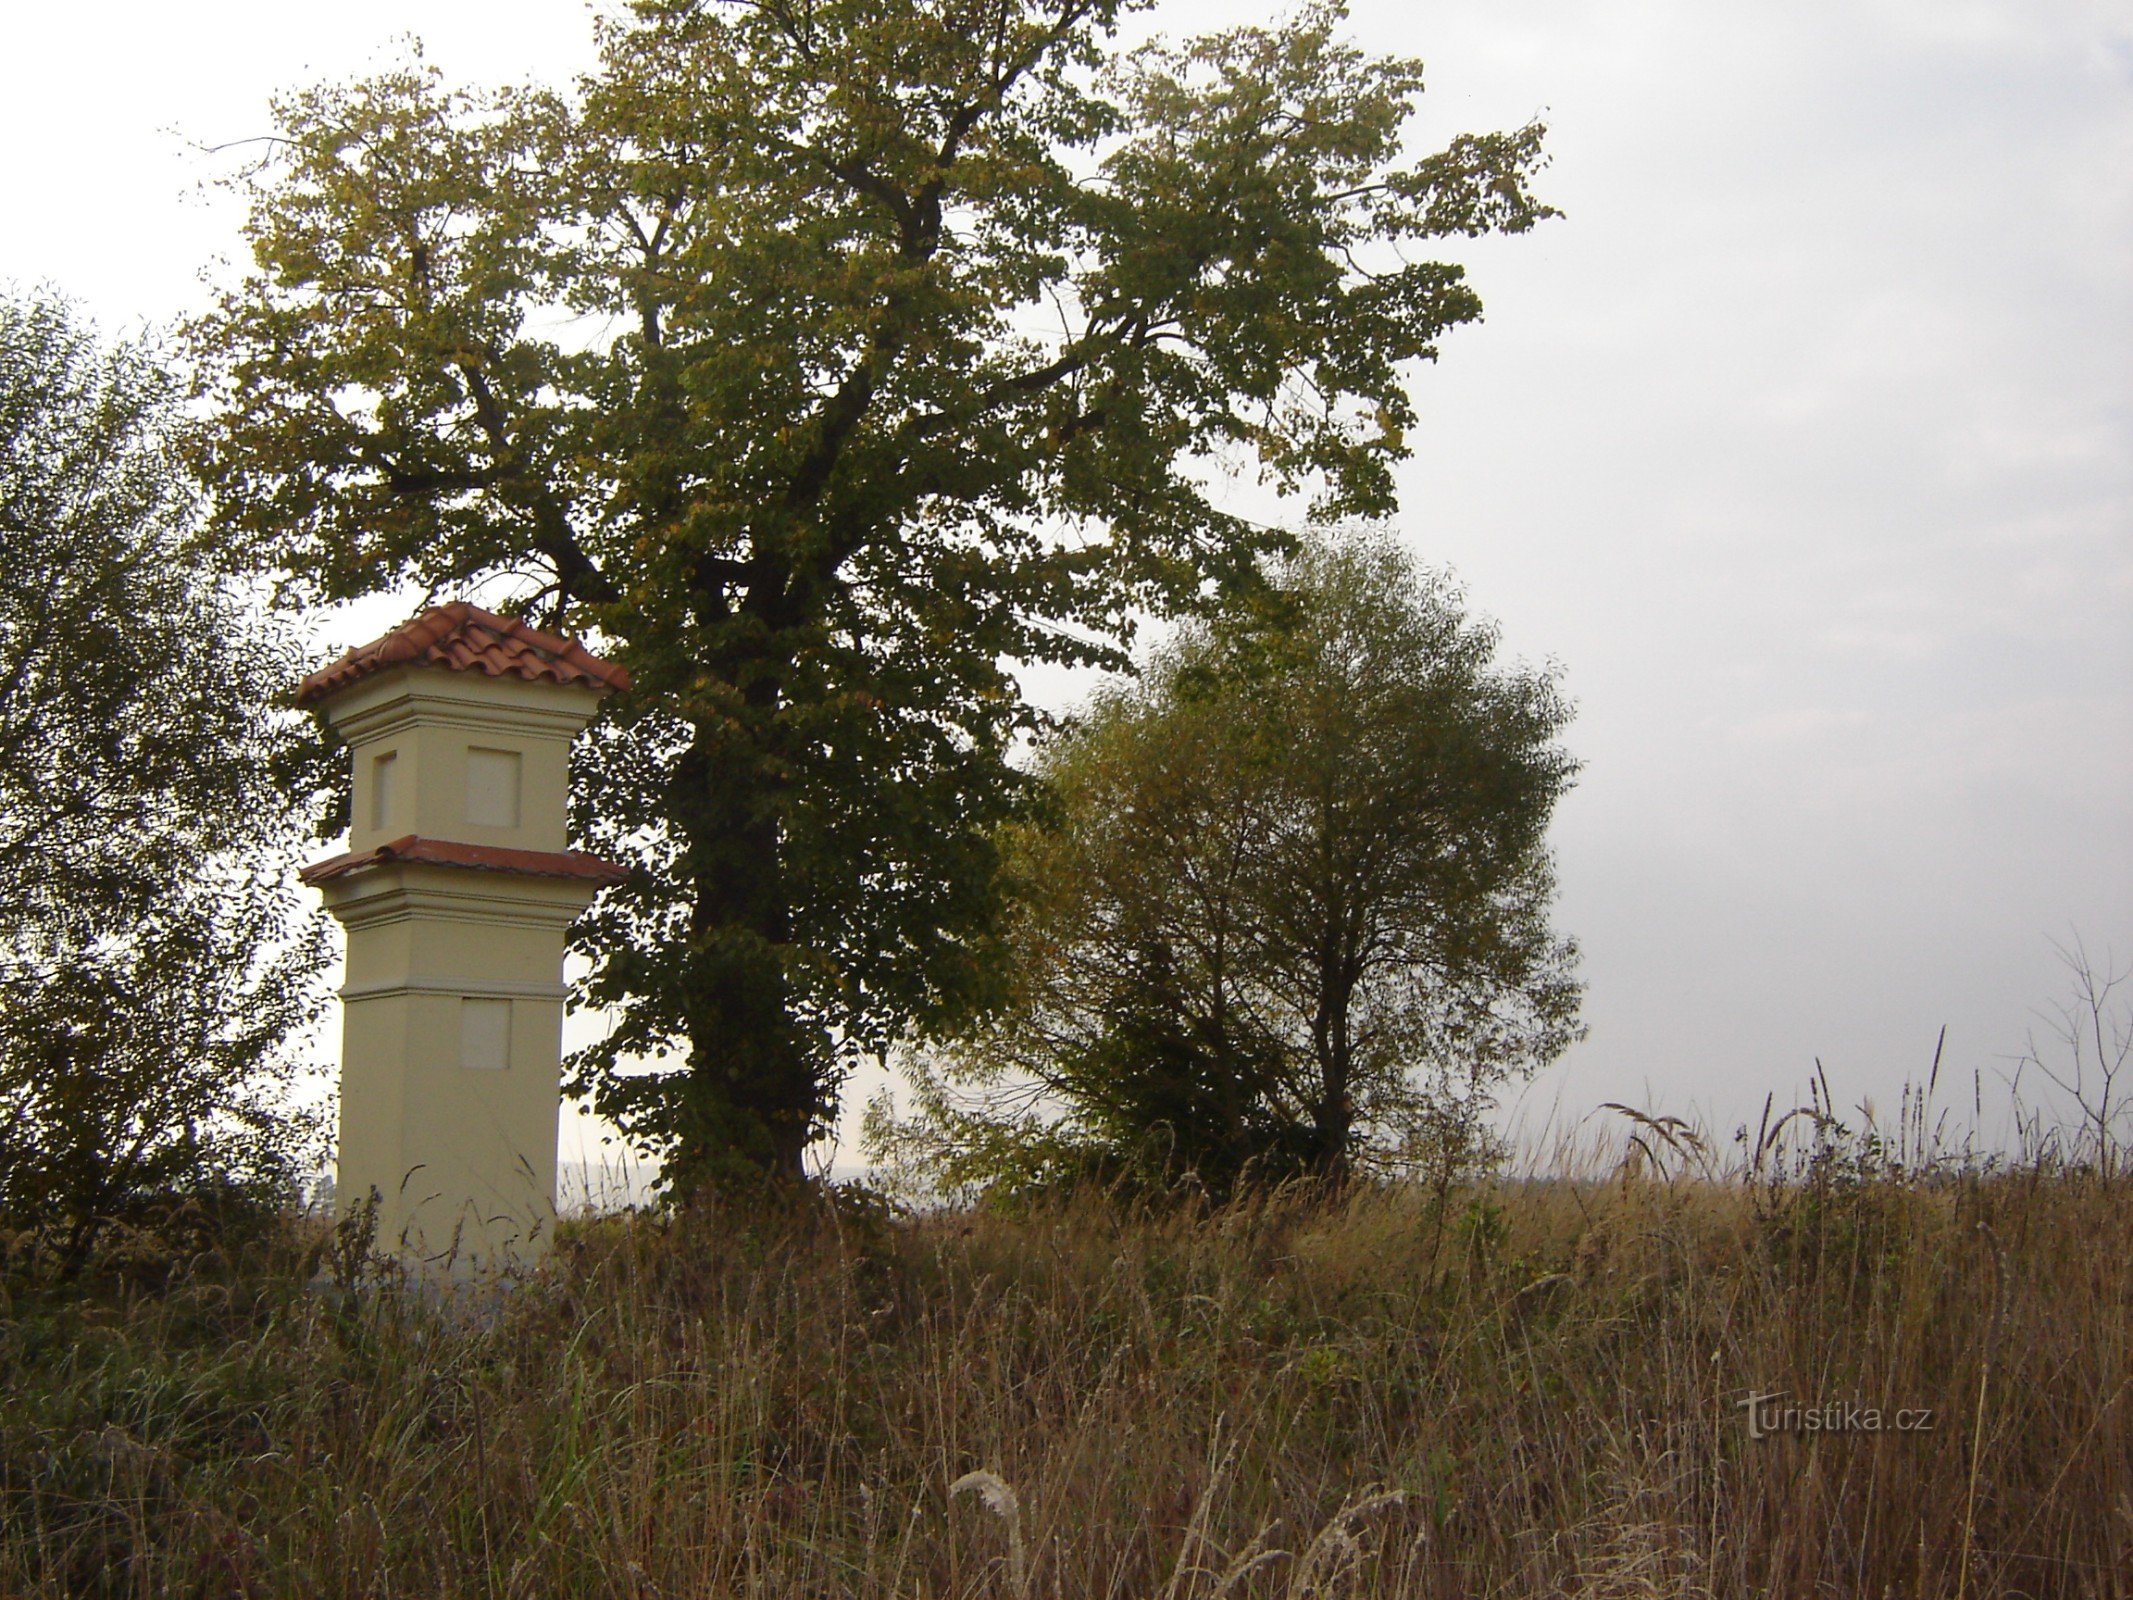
x,y
1523,1388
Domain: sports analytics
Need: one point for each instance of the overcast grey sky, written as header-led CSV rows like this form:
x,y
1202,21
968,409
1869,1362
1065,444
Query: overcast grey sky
x,y
1804,441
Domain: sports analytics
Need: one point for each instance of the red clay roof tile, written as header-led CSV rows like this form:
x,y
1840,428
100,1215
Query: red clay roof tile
x,y
466,638
480,857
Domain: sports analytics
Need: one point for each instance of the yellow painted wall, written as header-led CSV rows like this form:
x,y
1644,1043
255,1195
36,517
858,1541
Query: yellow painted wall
x,y
461,1156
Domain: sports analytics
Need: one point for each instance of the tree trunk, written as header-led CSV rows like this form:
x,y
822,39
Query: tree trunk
x,y
1334,1123
756,1082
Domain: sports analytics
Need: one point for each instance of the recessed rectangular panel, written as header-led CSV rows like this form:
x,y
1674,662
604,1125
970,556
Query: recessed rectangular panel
x,y
485,1035
381,788
492,788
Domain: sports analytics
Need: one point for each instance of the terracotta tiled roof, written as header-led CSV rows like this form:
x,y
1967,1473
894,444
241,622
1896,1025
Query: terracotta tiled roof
x,y
480,857
466,638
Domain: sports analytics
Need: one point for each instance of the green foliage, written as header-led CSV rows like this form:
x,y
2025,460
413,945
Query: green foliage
x,y
832,361
1294,907
153,962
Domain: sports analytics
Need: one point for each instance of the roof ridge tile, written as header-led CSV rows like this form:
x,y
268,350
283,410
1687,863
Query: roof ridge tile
x,y
462,637
414,850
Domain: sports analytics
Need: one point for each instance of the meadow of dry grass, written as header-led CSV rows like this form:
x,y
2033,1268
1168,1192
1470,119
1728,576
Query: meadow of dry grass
x,y
1515,1388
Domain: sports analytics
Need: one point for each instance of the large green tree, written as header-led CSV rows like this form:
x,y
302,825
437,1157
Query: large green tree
x,y
832,359
1292,909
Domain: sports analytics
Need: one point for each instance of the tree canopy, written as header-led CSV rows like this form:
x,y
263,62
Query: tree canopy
x,y
1293,908
833,360
154,962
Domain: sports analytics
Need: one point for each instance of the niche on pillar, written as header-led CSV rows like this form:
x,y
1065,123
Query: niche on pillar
x,y
456,893
493,786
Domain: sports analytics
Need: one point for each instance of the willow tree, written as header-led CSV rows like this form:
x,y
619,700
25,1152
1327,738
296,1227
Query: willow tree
x,y
156,971
834,360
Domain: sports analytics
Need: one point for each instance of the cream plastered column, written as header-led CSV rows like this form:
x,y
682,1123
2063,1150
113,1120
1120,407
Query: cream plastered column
x,y
456,895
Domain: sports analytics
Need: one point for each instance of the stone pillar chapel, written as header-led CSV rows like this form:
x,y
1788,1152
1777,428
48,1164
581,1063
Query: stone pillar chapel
x,y
455,892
